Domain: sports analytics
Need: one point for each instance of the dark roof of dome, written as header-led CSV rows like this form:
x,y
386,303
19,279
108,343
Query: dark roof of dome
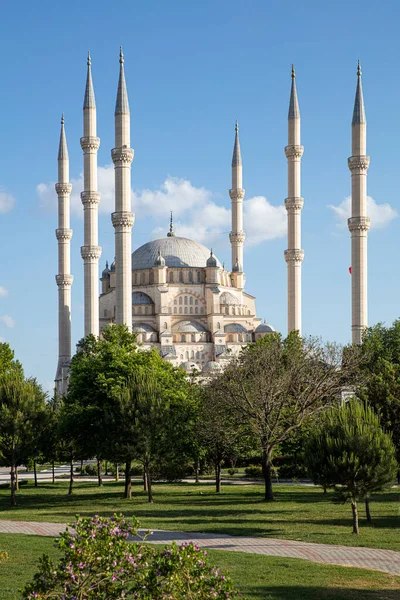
x,y
141,298
264,328
188,327
177,252
235,328
143,328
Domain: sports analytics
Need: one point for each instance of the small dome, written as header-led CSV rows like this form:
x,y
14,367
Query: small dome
x,y
190,367
160,260
264,328
106,271
112,268
143,328
212,366
189,327
141,298
235,328
228,298
211,260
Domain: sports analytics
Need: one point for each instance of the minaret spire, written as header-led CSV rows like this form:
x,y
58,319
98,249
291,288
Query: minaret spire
x,y
171,232
123,218
359,223
64,278
237,235
294,203
90,197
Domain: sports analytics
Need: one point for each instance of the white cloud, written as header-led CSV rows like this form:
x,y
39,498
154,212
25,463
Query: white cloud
x,y
3,291
381,214
7,202
196,214
8,321
2,340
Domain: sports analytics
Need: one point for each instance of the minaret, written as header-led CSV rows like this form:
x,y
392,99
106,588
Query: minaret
x,y
294,203
90,197
359,222
64,278
237,235
123,218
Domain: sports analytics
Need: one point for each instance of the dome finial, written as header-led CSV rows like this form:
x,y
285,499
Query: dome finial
x,y
62,119
121,56
359,72
171,232
89,60
293,72
237,126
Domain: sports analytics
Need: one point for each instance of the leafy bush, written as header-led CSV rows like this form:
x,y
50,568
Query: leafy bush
x,y
254,471
231,472
98,563
90,469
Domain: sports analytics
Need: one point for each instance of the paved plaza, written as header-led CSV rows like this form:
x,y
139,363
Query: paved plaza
x,y
368,558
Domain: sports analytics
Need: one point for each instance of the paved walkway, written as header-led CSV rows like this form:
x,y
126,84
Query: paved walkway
x,y
369,558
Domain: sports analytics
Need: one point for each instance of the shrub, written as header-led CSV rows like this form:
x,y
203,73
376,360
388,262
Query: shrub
x,y
98,562
231,472
254,471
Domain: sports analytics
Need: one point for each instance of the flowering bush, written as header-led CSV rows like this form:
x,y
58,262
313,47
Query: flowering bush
x,y
99,563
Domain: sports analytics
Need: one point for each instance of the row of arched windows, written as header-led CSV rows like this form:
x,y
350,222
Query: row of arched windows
x,y
173,277
194,356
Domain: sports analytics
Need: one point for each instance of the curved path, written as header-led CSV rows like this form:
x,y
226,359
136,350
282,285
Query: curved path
x,y
369,558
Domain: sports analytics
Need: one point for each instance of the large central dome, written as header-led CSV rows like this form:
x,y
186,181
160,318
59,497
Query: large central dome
x,y
177,252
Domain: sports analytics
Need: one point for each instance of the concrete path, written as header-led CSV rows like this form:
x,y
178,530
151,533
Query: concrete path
x,y
368,558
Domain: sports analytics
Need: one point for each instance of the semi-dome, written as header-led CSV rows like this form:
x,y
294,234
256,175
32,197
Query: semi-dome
x,y
212,366
190,367
143,328
234,328
264,328
177,252
189,327
228,298
141,298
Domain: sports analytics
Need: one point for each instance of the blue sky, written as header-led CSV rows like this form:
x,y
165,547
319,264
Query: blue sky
x,y
192,68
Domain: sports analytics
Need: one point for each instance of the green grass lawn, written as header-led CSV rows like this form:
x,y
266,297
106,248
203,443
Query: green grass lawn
x,y
299,512
257,577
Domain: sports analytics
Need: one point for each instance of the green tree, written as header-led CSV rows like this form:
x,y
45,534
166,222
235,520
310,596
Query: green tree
x,y
8,363
351,453
381,389
22,404
276,384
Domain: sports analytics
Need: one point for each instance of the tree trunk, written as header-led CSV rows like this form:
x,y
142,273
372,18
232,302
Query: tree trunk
x,y
116,472
367,511
398,477
148,479
355,516
218,477
128,480
71,476
106,468
53,473
144,479
13,487
196,471
99,478
81,466
267,473
35,472
16,485
325,489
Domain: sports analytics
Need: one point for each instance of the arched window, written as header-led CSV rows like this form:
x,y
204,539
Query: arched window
x,y
151,280
165,325
196,310
201,310
186,310
135,278
139,310
190,277
105,313
183,338
175,302
171,277
240,337
143,278
186,299
187,355
218,325
181,276
198,277
180,299
196,302
175,310
230,338
227,310
193,337
191,310
197,355
192,354
181,357
190,299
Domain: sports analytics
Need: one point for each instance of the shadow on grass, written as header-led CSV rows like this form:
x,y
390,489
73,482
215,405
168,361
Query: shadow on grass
x,y
317,593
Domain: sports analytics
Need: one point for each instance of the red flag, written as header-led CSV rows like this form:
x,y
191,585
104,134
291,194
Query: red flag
x,y
350,270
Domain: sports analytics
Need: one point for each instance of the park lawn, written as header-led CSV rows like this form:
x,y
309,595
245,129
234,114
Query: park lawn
x,y
257,577
298,512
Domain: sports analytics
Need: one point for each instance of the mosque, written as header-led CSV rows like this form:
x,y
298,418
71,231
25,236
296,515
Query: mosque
x,y
173,291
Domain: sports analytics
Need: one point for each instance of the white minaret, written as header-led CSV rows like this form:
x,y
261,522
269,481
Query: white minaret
x,y
123,218
294,203
359,222
90,197
64,278
237,235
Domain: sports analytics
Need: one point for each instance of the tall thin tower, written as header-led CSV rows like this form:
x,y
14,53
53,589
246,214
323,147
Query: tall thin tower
x,y
237,235
294,203
359,222
123,218
64,278
90,197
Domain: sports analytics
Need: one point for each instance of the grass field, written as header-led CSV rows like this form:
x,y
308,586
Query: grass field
x,y
299,512
257,577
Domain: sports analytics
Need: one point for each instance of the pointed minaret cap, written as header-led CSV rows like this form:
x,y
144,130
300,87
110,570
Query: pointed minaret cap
x,y
294,111
237,156
359,110
122,104
62,148
171,232
89,100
